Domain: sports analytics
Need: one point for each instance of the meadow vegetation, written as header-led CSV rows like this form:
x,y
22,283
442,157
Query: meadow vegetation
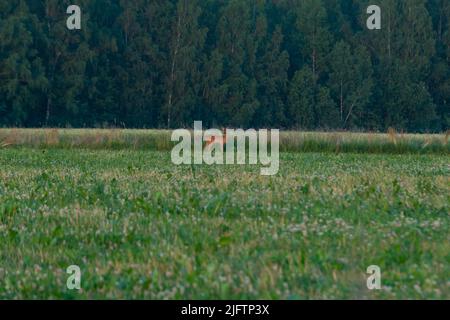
x,y
140,227
290,141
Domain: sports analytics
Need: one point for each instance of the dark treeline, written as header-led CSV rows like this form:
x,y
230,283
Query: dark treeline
x,y
305,64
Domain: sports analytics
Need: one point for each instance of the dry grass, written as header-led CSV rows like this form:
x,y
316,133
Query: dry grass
x,y
290,141
4,144
392,134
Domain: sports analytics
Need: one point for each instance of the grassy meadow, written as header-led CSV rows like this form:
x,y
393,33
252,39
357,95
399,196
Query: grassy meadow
x,y
111,202
290,141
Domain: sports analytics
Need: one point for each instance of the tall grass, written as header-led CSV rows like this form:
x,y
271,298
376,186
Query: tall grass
x,y
378,143
290,141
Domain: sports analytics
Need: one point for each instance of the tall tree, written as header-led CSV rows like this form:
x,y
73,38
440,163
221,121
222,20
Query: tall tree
x,y
272,78
239,32
310,105
301,99
351,83
141,49
186,57
439,80
403,51
313,33
21,71
102,88
64,54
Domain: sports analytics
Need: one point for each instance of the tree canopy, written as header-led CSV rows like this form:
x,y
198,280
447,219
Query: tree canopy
x,y
297,64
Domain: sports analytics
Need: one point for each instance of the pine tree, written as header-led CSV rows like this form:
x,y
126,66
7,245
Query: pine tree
x,y
403,51
445,90
64,53
439,80
272,78
326,111
140,69
213,91
310,104
102,87
313,34
301,99
351,83
21,71
185,52
238,47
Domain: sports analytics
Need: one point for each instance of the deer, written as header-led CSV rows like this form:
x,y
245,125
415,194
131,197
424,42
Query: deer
x,y
220,140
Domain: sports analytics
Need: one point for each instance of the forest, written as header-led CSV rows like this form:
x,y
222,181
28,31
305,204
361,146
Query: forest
x,y
288,64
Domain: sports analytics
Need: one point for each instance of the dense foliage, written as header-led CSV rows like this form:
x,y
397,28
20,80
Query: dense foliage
x,y
309,64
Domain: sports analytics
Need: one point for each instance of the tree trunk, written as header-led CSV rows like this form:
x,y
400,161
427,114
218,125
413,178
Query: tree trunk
x,y
172,70
47,112
342,103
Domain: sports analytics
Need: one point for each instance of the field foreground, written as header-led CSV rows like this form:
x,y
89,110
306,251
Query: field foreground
x,y
140,227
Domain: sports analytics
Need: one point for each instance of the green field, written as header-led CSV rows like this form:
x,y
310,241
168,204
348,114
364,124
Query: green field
x,y
140,227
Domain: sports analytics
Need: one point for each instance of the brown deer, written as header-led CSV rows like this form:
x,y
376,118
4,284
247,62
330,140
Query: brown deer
x,y
222,140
